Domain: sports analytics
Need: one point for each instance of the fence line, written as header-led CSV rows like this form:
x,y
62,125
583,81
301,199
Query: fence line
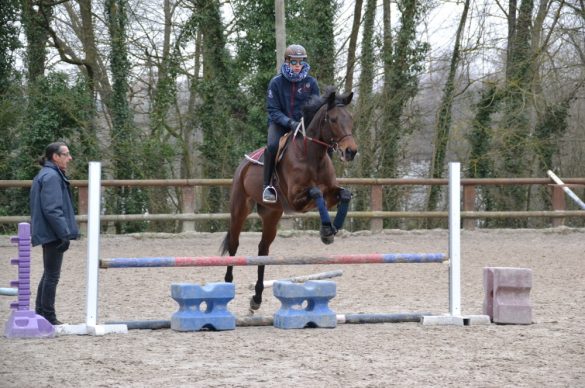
x,y
376,215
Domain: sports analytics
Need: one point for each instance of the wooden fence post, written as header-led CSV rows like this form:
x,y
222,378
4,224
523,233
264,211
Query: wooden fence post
x,y
82,205
469,205
188,194
376,224
558,203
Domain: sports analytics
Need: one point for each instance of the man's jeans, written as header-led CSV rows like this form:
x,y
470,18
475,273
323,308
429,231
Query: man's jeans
x,y
52,260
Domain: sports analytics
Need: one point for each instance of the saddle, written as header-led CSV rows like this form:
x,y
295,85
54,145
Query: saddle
x,y
257,156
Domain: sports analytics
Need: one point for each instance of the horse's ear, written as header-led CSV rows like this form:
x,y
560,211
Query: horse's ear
x,y
331,101
347,98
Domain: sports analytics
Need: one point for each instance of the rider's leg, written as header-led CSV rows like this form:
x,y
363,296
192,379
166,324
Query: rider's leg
x,y
269,193
274,135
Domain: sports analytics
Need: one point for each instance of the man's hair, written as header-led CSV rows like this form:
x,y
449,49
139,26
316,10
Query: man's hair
x,y
51,150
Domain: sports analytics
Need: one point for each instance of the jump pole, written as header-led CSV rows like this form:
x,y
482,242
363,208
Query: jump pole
x,y
222,261
257,320
568,191
302,278
8,291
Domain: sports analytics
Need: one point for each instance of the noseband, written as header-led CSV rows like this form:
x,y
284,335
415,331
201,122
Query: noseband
x,y
333,143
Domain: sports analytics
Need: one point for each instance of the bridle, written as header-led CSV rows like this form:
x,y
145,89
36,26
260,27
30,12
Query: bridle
x,y
333,143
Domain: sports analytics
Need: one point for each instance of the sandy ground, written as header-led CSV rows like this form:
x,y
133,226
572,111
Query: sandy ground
x,y
548,353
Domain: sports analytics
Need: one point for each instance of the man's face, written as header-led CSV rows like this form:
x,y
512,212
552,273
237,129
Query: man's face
x,y
62,158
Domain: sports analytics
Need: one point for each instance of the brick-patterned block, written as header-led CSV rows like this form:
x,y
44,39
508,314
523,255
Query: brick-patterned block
x,y
316,294
507,295
191,298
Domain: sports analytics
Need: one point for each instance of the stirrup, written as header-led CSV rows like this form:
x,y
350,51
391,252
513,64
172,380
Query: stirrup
x,y
269,194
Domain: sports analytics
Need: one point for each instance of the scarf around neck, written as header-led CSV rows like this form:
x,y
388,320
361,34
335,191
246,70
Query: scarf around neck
x,y
290,75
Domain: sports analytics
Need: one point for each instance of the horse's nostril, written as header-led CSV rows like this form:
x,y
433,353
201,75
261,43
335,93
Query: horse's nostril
x,y
350,154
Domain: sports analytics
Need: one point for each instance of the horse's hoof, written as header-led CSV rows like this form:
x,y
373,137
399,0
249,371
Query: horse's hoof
x,y
254,305
327,239
327,234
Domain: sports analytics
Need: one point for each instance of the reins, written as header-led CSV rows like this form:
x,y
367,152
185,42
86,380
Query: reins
x,y
301,129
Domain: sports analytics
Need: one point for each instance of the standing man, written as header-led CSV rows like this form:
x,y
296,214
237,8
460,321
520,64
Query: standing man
x,y
287,92
53,223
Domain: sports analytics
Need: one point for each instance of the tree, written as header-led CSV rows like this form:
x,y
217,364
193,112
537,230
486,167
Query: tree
x,y
353,38
402,58
444,119
126,151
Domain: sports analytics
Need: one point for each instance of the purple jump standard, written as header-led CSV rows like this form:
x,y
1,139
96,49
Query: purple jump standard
x,y
24,323
214,261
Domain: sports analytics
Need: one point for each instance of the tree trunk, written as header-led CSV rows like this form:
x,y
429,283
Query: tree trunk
x,y
444,118
351,51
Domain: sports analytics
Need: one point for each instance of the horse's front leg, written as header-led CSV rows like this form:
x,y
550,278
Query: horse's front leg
x,y
342,198
327,230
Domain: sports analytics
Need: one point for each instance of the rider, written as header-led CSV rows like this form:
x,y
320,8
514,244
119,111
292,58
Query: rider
x,y
287,92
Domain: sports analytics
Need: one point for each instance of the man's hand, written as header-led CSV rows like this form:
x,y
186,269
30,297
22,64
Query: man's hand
x,y
293,125
63,245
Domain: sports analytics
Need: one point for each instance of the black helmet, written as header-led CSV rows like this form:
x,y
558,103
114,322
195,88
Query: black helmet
x,y
295,51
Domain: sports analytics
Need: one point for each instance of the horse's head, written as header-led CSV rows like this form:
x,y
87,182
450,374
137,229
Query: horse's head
x,y
339,122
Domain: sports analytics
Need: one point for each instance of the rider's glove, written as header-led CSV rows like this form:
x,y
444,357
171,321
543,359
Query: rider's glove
x,y
293,125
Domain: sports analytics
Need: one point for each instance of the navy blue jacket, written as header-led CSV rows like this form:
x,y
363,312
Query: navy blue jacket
x,y
285,99
51,207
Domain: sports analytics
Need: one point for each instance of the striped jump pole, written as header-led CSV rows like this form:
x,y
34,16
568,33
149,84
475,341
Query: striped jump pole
x,y
215,261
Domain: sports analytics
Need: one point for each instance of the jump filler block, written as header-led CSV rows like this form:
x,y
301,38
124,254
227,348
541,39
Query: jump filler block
x,y
191,297
507,295
315,293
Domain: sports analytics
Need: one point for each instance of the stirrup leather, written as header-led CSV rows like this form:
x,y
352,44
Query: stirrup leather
x,y
269,194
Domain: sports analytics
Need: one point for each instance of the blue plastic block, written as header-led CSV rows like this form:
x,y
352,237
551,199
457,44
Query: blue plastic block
x,y
316,294
215,316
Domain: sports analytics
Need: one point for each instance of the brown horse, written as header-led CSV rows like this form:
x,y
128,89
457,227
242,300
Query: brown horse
x,y
305,179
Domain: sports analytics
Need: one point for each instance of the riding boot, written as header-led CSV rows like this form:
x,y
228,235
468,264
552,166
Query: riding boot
x,y
269,192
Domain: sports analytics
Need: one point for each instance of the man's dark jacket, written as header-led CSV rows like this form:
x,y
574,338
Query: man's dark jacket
x,y
51,207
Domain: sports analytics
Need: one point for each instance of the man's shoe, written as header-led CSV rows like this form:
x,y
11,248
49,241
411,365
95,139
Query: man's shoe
x,y
269,195
55,322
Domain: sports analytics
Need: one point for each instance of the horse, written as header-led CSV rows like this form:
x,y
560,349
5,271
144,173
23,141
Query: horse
x,y
304,179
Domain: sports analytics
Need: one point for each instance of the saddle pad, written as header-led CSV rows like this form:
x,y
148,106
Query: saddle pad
x,y
257,156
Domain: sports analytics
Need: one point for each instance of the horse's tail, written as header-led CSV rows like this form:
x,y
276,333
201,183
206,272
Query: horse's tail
x,y
225,245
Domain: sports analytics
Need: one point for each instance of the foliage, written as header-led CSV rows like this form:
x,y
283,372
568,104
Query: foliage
x,y
404,61
313,27
129,72
126,153
8,42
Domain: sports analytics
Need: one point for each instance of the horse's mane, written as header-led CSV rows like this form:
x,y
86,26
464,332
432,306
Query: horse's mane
x,y
312,106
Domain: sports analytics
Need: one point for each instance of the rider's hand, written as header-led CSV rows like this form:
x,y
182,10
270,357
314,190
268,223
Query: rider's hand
x,y
293,125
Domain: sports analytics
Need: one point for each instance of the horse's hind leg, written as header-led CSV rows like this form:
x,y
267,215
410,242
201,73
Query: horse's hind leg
x,y
270,218
239,212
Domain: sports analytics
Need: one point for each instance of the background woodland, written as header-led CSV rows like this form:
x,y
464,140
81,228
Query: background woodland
x,y
176,89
